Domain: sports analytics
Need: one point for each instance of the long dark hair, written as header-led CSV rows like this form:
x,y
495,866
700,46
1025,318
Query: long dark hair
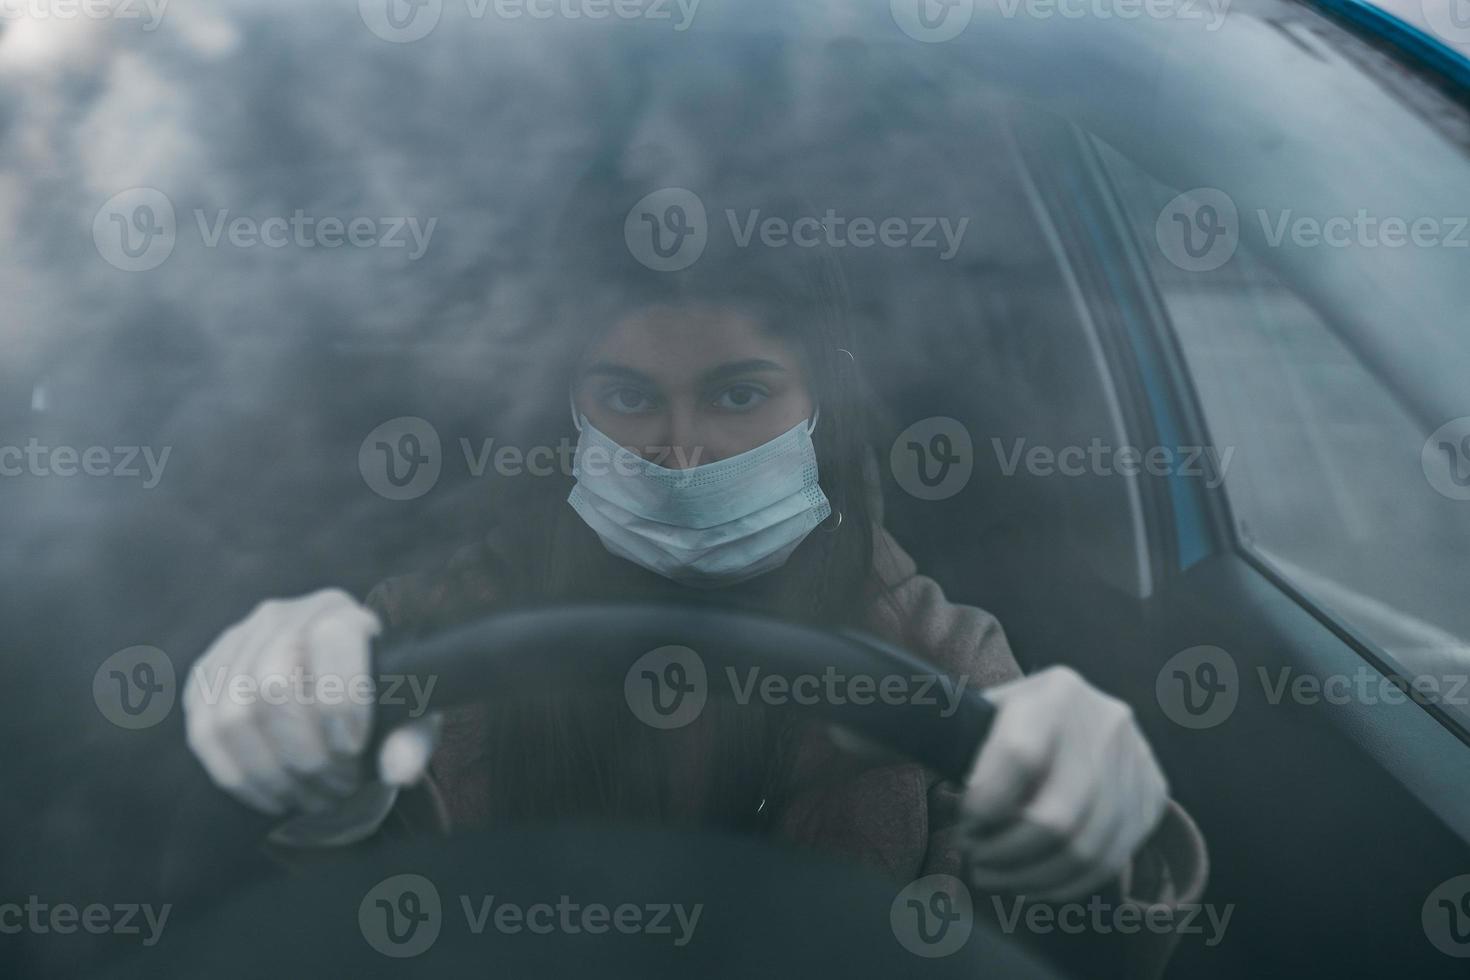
x,y
563,755
798,295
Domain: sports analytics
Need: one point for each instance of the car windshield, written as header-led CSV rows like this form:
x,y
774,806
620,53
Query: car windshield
x,y
286,289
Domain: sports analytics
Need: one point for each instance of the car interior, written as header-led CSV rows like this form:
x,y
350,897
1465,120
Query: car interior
x,y
1058,324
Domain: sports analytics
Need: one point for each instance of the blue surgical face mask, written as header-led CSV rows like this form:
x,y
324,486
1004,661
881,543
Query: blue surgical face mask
x,y
710,525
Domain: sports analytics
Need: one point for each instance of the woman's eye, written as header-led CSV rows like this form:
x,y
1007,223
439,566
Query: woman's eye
x,y
740,398
627,400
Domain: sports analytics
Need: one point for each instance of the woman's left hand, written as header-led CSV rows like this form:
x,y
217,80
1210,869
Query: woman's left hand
x,y
1064,791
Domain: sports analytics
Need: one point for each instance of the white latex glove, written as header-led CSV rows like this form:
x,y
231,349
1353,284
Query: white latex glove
x,y
1063,792
282,752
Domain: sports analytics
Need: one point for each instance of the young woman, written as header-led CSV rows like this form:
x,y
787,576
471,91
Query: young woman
x,y
723,455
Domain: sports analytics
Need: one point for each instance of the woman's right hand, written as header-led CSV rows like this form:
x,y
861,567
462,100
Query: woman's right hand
x,y
280,708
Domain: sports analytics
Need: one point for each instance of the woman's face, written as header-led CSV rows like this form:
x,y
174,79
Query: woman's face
x,y
683,387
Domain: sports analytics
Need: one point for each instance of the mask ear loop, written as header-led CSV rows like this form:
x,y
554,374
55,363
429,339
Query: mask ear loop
x,y
816,415
811,426
572,404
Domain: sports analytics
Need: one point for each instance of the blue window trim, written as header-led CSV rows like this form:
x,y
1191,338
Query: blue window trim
x,y
1420,46
1191,528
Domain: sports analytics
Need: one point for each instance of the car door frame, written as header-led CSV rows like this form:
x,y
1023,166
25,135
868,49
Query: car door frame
x,y
1282,771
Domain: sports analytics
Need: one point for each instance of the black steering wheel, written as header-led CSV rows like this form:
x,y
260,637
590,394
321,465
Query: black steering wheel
x,y
550,646
766,908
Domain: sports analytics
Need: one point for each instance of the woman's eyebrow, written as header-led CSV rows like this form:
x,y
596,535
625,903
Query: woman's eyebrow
x,y
610,370
732,369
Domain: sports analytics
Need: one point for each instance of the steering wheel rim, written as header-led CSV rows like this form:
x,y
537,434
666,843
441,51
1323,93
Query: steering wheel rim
x,y
548,645
893,698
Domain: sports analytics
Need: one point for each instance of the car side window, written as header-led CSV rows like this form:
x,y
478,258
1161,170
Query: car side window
x,y
1329,479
